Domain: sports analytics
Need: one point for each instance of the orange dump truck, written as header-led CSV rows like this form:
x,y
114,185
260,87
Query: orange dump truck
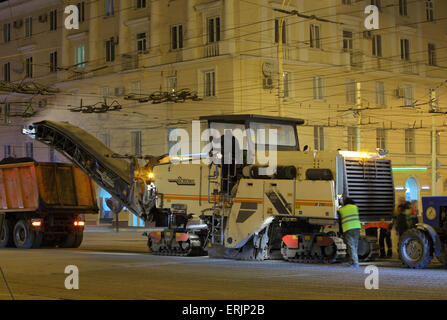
x,y
43,204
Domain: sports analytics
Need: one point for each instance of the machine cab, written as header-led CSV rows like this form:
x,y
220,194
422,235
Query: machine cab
x,y
255,131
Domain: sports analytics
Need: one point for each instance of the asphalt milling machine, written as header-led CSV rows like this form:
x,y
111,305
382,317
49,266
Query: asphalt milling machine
x,y
238,209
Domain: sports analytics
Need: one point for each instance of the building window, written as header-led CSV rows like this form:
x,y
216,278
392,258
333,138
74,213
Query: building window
x,y
141,4
53,61
171,83
432,54
29,150
6,113
53,19
377,3
7,150
29,67
6,32
318,86
377,45
429,10
105,91
351,87
405,49
315,36
136,143
141,42
381,138
380,93
352,138
210,83
81,8
408,95
213,29
7,72
52,155
434,99
172,143
110,50
105,138
177,37
318,138
403,7
437,142
80,56
347,41
409,141
110,8
277,25
135,87
28,27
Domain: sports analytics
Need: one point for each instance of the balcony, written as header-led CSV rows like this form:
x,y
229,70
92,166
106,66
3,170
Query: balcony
x,y
356,59
380,64
408,67
211,50
129,62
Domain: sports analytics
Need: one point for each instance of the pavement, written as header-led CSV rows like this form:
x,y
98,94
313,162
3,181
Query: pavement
x,y
117,266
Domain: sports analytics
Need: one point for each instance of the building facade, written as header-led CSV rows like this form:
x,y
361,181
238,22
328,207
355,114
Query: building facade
x,y
357,89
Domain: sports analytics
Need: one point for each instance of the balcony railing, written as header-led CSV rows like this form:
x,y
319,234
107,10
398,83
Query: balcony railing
x,y
212,49
356,59
409,67
129,62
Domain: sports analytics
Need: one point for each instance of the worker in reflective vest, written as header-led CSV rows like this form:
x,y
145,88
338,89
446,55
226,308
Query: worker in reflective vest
x,y
350,223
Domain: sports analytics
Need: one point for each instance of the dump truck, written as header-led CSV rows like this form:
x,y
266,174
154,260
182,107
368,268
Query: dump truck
x,y
239,209
427,239
43,203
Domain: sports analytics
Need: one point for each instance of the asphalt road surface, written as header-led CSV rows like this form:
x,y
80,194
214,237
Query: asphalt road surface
x,y
117,266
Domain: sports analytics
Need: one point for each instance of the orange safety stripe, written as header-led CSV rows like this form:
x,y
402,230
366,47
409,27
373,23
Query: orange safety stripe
x,y
196,198
306,202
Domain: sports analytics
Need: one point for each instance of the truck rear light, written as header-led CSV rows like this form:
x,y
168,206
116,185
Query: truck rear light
x,y
36,223
79,223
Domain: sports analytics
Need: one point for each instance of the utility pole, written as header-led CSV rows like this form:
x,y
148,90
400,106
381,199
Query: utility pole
x,y
281,60
359,113
280,69
433,156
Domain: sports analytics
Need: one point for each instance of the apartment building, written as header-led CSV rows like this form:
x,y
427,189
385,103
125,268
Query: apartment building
x,y
357,89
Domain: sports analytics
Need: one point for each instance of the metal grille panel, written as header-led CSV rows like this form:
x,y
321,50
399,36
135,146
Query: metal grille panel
x,y
369,183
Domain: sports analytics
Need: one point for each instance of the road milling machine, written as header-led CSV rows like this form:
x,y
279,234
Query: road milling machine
x,y
251,193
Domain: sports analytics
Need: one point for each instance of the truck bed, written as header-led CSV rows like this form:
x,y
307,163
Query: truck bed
x,y
45,187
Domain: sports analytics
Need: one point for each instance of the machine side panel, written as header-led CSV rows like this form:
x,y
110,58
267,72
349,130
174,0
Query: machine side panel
x,y
185,184
316,199
247,213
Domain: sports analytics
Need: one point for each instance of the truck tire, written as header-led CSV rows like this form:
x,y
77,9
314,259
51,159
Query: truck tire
x,y
79,238
415,249
368,249
6,239
24,237
73,240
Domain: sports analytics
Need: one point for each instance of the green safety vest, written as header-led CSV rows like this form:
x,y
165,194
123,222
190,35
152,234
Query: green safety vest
x,y
350,217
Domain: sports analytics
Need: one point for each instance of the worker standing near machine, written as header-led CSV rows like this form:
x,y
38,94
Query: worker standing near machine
x,y
385,237
350,223
403,218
